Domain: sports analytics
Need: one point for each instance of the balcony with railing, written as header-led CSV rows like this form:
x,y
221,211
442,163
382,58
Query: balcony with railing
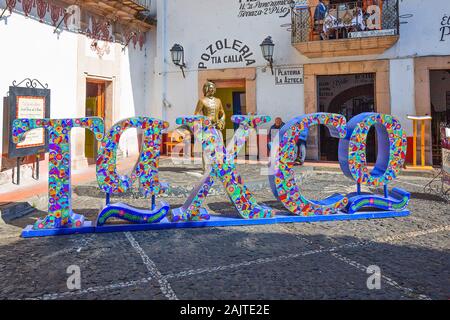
x,y
345,28
138,4
125,11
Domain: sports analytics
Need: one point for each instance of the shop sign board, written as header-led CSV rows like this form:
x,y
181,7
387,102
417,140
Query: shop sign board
x,y
289,75
29,103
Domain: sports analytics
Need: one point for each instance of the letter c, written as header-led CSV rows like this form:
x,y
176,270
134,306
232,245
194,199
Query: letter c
x,y
283,183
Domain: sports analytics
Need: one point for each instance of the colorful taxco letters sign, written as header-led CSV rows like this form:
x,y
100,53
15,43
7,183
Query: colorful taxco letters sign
x,y
61,219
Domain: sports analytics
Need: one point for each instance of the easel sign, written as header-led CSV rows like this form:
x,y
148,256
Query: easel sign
x,y
33,103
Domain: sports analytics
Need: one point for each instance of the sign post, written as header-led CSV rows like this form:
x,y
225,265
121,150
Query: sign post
x,y
31,101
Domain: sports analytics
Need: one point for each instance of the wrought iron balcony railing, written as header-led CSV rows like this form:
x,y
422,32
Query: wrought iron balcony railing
x,y
356,19
142,3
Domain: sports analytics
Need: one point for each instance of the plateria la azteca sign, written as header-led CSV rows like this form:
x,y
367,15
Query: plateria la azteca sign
x,y
285,187
291,75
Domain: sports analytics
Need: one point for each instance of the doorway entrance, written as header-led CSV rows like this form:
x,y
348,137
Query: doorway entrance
x,y
440,109
233,102
349,95
95,107
242,81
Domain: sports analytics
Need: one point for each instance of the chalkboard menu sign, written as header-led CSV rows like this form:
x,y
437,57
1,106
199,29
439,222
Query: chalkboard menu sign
x,y
33,103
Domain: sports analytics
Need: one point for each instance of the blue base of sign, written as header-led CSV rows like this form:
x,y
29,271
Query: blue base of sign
x,y
214,221
29,232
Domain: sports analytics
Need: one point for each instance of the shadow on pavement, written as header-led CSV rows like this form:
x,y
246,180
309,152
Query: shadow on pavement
x,y
253,264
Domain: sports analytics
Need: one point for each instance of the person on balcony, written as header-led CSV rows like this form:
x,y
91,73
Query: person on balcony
x,y
320,12
319,15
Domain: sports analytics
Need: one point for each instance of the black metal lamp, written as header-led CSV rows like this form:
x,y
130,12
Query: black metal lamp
x,y
292,4
177,53
267,50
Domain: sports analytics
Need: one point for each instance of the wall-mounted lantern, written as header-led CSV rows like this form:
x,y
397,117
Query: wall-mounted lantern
x,y
292,5
267,50
177,53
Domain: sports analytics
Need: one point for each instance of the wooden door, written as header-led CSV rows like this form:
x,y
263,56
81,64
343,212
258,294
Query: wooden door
x,y
95,107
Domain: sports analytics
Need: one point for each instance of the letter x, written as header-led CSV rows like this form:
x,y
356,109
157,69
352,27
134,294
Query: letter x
x,y
223,168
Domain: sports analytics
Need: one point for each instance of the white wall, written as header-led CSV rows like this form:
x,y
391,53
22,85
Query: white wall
x,y
64,60
29,49
401,81
285,101
197,24
420,29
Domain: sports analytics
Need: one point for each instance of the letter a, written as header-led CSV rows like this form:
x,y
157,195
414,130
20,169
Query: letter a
x,y
74,280
374,280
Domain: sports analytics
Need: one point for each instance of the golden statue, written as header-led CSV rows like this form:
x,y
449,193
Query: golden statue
x,y
211,106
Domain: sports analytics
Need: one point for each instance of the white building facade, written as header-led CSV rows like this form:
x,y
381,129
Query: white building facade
x,y
113,60
385,69
97,60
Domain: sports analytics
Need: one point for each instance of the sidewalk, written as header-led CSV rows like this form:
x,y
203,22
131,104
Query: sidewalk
x,y
30,187
408,171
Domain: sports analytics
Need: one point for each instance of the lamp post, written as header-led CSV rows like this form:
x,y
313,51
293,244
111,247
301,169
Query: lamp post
x,y
292,5
267,50
177,53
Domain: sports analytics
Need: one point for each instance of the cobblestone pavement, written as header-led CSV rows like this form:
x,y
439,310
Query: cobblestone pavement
x,y
324,260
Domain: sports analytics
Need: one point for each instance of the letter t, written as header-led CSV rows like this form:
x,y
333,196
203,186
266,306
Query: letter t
x,y
59,188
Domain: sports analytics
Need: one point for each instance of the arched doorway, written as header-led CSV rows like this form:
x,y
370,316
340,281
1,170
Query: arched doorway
x,y
348,95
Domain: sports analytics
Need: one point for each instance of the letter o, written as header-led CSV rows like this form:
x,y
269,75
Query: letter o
x,y
391,149
219,45
205,57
